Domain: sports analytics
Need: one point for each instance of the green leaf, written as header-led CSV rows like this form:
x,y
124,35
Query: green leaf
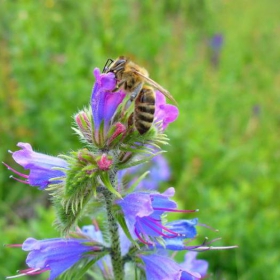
x,y
104,176
124,227
136,183
137,162
88,266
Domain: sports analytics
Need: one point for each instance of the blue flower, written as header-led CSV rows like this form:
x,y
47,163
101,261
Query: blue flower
x,y
56,255
184,229
104,102
216,44
43,168
143,211
159,172
192,264
159,267
217,41
105,264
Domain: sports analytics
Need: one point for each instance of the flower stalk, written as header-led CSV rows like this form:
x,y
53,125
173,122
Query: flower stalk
x,y
115,252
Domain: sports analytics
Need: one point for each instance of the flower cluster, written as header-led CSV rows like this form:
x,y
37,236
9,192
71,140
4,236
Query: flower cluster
x,y
130,236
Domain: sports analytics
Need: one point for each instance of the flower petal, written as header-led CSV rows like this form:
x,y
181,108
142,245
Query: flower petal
x,y
41,166
192,264
165,113
56,254
161,268
104,102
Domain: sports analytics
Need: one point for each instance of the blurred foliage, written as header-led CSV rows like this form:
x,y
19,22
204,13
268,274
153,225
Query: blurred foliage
x,y
224,148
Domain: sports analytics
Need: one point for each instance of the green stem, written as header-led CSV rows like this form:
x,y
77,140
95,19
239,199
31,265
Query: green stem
x,y
116,258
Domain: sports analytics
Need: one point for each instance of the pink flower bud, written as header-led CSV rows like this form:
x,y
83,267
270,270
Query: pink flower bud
x,y
84,125
104,163
119,129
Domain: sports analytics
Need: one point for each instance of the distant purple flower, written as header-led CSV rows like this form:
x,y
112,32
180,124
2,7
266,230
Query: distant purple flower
x,y
216,44
159,267
104,102
192,264
159,172
55,255
256,110
143,210
216,41
164,112
42,167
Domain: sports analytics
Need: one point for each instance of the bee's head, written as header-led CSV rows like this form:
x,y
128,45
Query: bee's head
x,y
115,66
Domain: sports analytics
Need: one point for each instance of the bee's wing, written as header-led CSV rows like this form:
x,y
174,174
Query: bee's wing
x,y
165,92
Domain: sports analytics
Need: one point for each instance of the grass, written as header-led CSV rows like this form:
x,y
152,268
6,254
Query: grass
x,y
224,149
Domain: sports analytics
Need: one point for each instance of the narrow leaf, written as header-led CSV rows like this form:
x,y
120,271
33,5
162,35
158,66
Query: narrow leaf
x,y
106,181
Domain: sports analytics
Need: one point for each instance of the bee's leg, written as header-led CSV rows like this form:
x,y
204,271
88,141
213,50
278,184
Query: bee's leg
x,y
107,65
135,91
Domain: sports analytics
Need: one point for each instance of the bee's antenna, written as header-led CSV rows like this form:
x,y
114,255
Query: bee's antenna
x,y
107,64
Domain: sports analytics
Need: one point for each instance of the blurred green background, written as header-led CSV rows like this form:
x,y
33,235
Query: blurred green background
x,y
220,59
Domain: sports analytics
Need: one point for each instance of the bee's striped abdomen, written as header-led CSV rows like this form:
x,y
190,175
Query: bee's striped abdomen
x,y
144,109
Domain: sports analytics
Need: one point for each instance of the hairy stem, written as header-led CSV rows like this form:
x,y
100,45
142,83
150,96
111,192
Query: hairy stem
x,y
115,253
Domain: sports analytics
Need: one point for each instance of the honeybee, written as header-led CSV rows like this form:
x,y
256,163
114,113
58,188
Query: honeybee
x,y
144,109
132,77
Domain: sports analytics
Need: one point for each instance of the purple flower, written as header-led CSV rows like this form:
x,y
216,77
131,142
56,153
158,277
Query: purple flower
x,y
184,229
105,264
192,264
104,102
42,167
159,267
93,232
143,210
164,113
159,172
216,42
56,255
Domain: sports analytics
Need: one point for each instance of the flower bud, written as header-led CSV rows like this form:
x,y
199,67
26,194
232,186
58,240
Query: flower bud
x,y
104,163
83,121
118,130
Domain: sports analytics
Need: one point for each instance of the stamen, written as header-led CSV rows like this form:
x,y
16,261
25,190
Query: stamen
x,y
165,228
142,232
141,239
95,224
202,247
205,248
28,271
19,180
195,275
16,276
176,210
13,245
162,227
38,271
16,172
206,226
